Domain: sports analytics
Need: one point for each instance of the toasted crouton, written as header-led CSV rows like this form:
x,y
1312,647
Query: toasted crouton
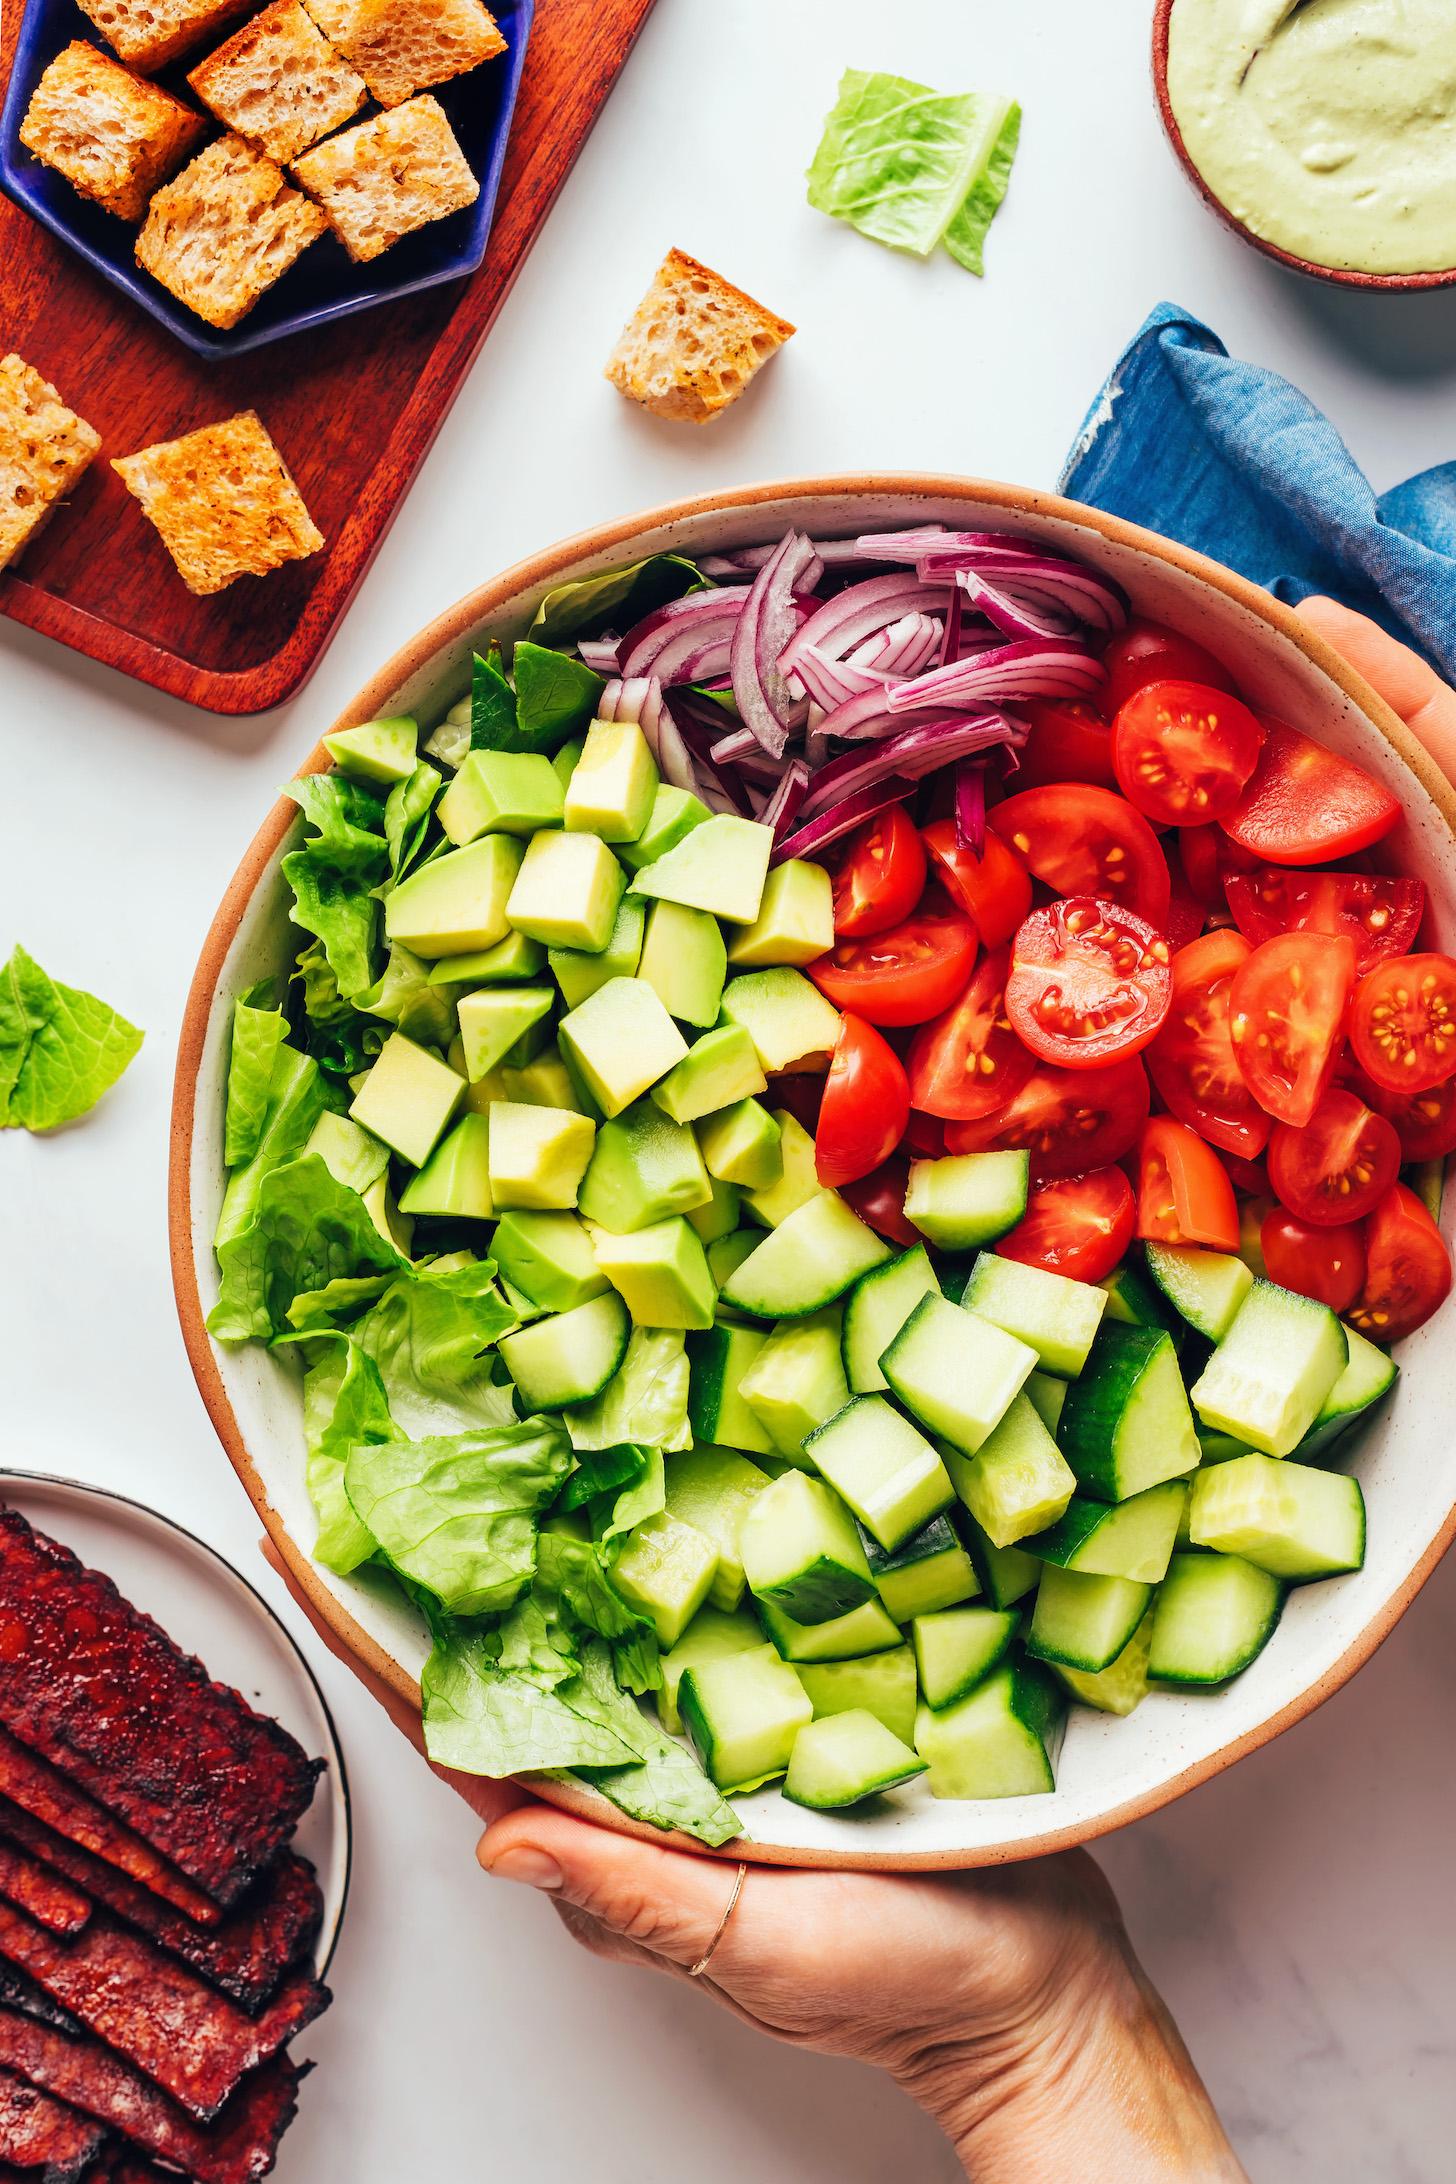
x,y
693,343
279,83
223,501
150,33
114,137
388,176
225,230
44,447
403,46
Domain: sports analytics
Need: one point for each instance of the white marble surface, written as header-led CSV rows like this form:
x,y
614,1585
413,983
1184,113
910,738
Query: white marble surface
x,y
1296,1913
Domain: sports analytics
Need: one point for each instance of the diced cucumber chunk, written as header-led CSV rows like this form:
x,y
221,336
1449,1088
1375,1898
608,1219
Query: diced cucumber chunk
x,y
845,1758
1213,1615
931,1571
725,1255
801,1552
1123,1684
1207,1287
570,1358
877,1308
710,1636
743,1712
808,1261
1006,1574
718,1360
882,1683
665,1570
1286,1518
1369,1375
798,1181
1018,1482
967,1199
714,1489
1272,1374
1054,1316
1135,1300
796,1383
1132,1539
787,1018
889,1474
1046,1395
1083,1621
956,1648
956,1373
1126,1425
1001,1740
863,1630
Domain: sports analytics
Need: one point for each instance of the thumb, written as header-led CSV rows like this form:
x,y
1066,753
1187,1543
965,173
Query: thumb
x,y
665,1902
1408,684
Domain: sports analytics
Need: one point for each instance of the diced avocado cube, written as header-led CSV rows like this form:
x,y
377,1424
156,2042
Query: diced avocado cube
x,y
665,1571
796,1383
801,1551
544,1082
720,867
395,1227
743,1714
714,1489
799,1181
456,904
718,1217
721,1068
564,761
788,1020
675,812
538,1155
510,962
494,1018
548,1256
352,1156
455,1180
795,921
684,962
377,750
621,1040
741,1145
660,1273
501,792
579,974
643,1168
711,1636
566,892
478,1096
612,784
407,1098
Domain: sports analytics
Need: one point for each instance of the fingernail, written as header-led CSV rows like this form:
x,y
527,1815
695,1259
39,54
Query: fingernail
x,y
532,1868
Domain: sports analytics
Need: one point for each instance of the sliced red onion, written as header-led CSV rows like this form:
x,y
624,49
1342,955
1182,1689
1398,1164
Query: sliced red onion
x,y
906,647
1026,668
639,700
950,644
810,840
742,749
767,621
599,654
782,808
970,808
901,545
834,553
911,754
859,611
671,641
718,786
674,760
1027,592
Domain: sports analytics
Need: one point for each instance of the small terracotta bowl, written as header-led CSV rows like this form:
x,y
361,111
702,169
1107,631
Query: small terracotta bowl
x,y
1340,276
1111,1771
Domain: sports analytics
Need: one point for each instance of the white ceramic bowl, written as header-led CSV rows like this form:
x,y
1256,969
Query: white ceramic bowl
x,y
1111,1771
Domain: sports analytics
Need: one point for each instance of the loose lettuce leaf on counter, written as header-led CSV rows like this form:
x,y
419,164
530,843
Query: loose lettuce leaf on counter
x,y
645,1401
343,1405
60,1048
257,1036
665,1786
614,600
427,1335
485,1720
457,1513
295,1102
306,1231
898,161
965,238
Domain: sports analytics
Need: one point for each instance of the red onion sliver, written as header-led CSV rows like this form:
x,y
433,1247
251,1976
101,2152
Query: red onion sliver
x,y
663,639
970,808
1027,668
768,620
859,611
782,808
599,654
809,840
914,752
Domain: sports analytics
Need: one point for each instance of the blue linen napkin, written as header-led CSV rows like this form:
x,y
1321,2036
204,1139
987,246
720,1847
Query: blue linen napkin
x,y
1233,461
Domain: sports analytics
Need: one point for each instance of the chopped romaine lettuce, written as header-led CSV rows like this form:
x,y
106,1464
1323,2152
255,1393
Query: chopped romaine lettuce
x,y
485,1720
965,238
306,1230
343,1405
60,1048
645,1401
257,1036
912,167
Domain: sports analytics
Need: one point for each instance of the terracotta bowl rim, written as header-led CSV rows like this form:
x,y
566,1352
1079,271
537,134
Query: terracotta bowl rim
x,y
467,614
1338,276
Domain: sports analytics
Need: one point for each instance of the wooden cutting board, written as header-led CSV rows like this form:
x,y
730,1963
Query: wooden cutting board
x,y
354,409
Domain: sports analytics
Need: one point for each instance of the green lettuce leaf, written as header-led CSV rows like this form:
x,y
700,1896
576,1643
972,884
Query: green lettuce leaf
x,y
407,817
484,1720
319,1311
645,1401
602,1471
339,1038
403,996
306,1230
646,1497
492,703
295,1102
343,1405
614,600
665,1787
332,876
897,159
346,818
427,1334
555,695
457,1512
573,1582
965,238
257,1036
60,1048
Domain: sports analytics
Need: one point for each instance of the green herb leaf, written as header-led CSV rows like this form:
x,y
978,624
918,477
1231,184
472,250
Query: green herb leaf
x,y
965,238
306,1230
555,696
614,600
60,1048
257,1036
897,159
492,704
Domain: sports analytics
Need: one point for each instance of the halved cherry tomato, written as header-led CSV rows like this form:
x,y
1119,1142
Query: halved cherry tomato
x,y
1087,841
1208,858
1184,1195
1147,652
1424,1122
1192,1061
1248,1176
1327,1264
1403,1023
1382,916
1182,752
1407,1268
1069,741
865,1108
994,888
1089,982
1185,911
1339,1165
1079,1226
1305,805
924,1137
879,1200
905,976
800,1091
1287,1015
881,877
1069,1120
969,1061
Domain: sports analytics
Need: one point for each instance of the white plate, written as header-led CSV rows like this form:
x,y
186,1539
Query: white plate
x,y
208,1609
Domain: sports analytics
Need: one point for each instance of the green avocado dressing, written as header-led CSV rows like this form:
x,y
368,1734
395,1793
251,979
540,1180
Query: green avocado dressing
x,y
1328,127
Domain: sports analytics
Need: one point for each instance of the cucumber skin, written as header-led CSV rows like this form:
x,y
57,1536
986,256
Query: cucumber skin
x,y
1245,1660
819,1592
1095,1403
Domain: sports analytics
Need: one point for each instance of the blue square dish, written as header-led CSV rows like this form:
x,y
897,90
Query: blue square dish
x,y
325,283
